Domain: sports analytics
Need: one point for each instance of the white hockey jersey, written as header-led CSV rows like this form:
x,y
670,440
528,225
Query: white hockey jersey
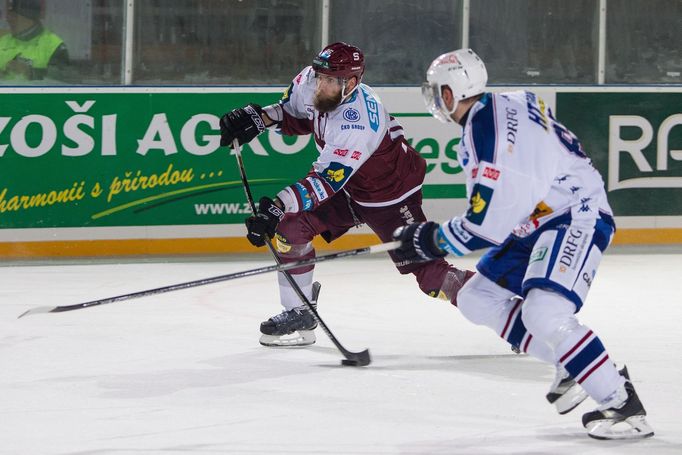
x,y
523,168
362,149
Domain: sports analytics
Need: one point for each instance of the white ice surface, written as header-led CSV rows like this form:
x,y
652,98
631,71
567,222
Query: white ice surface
x,y
183,372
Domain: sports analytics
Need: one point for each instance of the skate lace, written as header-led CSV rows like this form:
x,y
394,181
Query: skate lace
x,y
285,316
278,318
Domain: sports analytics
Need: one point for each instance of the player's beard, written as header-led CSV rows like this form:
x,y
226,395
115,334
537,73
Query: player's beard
x,y
326,104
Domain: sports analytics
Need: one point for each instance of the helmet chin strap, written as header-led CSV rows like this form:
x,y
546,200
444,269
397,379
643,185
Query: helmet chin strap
x,y
345,95
448,113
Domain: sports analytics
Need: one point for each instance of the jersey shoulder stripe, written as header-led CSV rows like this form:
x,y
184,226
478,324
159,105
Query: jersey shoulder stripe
x,y
484,130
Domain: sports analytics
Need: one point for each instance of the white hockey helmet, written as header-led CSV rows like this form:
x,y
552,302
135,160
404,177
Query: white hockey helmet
x,y
461,70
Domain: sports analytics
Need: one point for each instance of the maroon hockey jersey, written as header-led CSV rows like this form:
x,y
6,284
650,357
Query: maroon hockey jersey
x,y
362,149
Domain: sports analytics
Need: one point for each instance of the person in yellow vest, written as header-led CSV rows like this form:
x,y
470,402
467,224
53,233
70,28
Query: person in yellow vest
x,y
29,49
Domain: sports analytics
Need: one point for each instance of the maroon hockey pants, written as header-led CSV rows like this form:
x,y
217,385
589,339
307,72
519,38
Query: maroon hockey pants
x,y
334,218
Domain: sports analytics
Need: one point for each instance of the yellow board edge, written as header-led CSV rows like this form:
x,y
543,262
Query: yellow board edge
x,y
158,247
227,245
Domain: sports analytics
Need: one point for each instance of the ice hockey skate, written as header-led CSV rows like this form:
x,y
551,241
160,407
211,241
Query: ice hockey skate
x,y
291,328
565,394
625,420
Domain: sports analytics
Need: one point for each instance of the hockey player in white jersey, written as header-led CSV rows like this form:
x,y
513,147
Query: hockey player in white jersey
x,y
536,200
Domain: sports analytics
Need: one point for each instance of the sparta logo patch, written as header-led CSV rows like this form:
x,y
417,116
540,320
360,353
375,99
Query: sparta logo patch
x,y
336,175
479,203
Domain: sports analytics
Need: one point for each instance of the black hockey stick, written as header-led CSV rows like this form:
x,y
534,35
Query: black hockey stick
x,y
216,279
351,358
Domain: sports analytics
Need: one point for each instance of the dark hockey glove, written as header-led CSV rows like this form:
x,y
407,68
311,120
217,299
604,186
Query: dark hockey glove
x,y
418,242
243,124
264,222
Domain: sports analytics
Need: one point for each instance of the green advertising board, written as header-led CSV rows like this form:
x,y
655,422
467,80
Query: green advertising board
x,y
131,159
151,157
117,158
635,141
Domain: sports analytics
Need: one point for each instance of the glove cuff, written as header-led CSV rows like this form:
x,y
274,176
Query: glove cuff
x,y
254,111
428,240
275,112
288,199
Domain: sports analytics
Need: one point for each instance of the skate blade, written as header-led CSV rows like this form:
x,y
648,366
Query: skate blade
x,y
570,400
299,338
635,427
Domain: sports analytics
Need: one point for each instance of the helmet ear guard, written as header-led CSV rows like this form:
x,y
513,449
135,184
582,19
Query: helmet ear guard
x,y
462,71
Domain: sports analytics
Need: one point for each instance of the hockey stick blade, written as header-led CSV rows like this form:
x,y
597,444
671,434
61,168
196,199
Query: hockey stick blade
x,y
358,359
36,310
216,279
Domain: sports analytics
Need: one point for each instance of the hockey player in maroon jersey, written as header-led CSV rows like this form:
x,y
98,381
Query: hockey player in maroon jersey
x,y
366,173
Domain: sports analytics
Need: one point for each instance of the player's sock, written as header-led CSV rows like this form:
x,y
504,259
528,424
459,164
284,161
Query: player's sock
x,y
288,296
583,355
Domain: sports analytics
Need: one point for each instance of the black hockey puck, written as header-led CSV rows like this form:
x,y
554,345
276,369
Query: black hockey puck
x,y
350,363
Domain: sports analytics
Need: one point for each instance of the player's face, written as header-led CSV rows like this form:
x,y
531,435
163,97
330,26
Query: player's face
x,y
327,93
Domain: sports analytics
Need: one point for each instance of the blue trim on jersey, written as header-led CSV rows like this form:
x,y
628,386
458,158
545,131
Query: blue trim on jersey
x,y
585,357
305,196
352,97
474,243
517,332
372,110
445,244
483,131
603,231
545,283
